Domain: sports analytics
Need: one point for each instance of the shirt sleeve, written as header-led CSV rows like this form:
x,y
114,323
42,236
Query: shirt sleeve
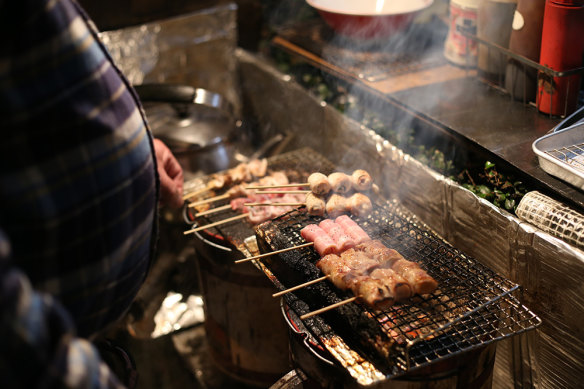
x,y
38,346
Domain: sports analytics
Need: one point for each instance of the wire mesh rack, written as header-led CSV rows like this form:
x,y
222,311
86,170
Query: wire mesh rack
x,y
473,306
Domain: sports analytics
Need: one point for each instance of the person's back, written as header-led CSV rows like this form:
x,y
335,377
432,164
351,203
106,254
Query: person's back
x,y
79,191
77,177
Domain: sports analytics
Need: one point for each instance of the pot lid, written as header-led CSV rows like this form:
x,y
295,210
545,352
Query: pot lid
x,y
192,125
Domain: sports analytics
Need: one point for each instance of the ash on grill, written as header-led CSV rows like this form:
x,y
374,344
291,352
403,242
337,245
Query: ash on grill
x,y
473,306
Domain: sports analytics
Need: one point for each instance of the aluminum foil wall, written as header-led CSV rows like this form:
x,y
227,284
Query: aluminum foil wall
x,y
195,49
549,270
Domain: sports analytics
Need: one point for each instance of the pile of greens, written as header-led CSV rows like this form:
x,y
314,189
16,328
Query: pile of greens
x,y
486,182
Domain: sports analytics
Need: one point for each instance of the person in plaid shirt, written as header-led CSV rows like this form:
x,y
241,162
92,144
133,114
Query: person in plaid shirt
x,y
81,180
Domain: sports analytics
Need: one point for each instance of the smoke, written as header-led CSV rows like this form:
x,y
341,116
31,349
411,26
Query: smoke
x,y
389,65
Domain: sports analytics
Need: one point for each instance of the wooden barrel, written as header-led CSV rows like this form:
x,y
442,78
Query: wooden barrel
x,y
245,330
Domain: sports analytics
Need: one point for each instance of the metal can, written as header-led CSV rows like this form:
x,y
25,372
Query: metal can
x,y
460,49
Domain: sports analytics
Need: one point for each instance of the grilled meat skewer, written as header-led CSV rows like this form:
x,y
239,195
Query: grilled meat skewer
x,y
340,182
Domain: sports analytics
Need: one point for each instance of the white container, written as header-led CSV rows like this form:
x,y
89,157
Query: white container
x,y
459,49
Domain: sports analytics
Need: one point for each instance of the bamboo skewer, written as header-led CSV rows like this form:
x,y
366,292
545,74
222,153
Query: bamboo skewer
x,y
282,191
209,200
274,204
276,186
292,289
215,224
214,210
328,308
274,252
196,192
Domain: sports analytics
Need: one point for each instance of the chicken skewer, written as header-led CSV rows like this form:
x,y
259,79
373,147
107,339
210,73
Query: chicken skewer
x,y
336,182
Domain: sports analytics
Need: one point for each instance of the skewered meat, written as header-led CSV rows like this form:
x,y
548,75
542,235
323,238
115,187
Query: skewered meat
x,y
336,205
351,270
239,191
376,249
374,292
319,184
352,229
361,180
258,167
260,214
378,275
359,205
398,285
240,173
335,268
315,205
323,243
335,231
419,280
359,261
340,182
274,179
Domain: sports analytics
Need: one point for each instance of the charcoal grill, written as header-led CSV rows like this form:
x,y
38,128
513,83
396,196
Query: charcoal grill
x,y
473,306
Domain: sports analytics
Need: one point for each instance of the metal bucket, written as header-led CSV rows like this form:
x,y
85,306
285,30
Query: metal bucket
x,y
246,334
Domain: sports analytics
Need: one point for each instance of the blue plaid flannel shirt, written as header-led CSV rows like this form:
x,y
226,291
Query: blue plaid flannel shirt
x,y
78,195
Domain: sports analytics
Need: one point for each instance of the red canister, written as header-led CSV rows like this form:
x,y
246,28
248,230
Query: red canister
x,y
562,49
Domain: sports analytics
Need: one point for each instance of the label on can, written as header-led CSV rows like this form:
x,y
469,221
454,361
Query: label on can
x,y
460,49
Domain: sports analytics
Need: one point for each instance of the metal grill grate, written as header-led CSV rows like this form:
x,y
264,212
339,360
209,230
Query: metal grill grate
x,y
572,155
473,305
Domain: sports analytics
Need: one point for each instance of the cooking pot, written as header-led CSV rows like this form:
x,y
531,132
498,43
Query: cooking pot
x,y
198,125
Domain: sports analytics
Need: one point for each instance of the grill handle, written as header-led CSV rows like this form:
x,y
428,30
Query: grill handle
x,y
193,224
302,333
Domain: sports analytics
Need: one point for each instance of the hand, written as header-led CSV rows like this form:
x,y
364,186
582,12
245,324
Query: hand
x,y
171,176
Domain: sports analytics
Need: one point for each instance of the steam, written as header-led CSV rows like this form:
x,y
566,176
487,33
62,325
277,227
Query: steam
x,y
384,60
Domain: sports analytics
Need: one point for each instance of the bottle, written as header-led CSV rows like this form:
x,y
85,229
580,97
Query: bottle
x,y
459,49
562,49
495,18
521,78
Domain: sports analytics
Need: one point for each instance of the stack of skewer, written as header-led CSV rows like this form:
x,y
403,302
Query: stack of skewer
x,y
377,275
332,195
